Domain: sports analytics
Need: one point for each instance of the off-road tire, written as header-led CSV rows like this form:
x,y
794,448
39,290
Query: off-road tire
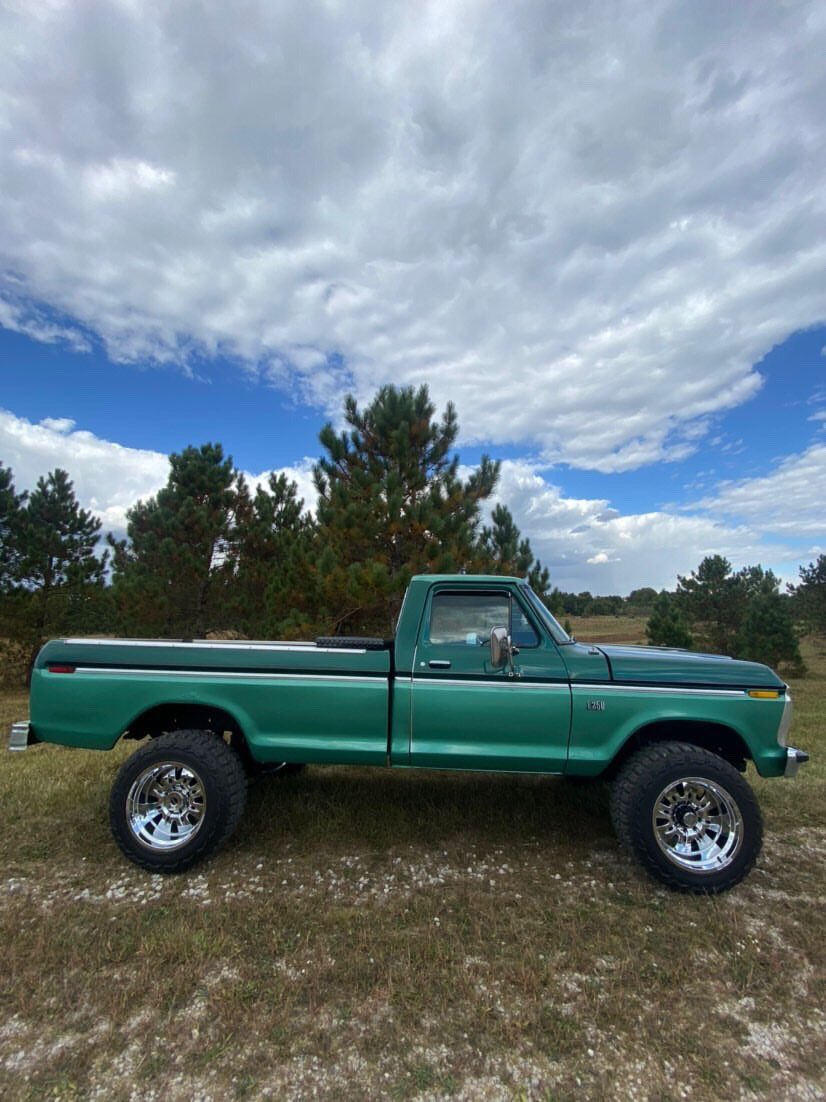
x,y
183,765
687,816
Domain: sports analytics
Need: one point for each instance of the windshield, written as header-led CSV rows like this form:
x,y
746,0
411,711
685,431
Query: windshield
x,y
559,634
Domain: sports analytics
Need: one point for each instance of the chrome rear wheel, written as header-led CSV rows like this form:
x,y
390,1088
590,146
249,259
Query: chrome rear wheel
x,y
177,800
166,805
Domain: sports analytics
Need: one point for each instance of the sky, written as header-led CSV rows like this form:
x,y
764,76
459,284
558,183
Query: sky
x,y
598,229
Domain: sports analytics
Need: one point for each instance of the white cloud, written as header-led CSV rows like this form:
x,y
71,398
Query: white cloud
x,y
108,477
32,322
584,225
119,178
300,473
60,425
588,545
790,501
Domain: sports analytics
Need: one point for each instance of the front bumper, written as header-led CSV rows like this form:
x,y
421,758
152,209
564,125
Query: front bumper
x,y
21,735
794,760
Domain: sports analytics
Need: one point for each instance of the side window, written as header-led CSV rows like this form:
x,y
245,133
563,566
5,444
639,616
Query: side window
x,y
466,618
522,631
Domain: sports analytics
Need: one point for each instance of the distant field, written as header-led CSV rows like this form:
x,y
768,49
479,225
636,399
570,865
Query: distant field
x,y
406,935
608,629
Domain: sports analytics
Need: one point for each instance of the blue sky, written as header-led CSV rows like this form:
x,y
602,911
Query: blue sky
x,y
600,233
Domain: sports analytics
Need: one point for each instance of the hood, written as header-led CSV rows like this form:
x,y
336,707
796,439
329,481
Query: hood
x,y
663,665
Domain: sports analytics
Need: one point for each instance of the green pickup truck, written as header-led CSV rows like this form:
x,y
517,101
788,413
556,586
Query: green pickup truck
x,y
479,676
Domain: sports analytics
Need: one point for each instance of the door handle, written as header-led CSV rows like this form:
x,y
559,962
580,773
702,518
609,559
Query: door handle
x,y
439,664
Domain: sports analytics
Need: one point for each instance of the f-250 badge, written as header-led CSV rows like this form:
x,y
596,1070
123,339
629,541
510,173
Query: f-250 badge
x,y
595,705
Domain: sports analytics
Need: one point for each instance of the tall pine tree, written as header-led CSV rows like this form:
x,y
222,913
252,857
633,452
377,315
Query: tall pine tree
x,y
666,626
57,565
503,550
767,632
391,504
810,596
714,601
741,614
169,570
11,504
271,586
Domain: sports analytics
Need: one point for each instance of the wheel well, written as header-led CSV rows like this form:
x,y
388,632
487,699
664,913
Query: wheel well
x,y
182,717
716,737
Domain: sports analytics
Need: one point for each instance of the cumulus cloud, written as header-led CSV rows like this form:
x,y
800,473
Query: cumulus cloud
x,y
583,224
788,501
588,545
108,477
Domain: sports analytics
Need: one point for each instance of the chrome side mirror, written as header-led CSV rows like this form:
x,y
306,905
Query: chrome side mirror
x,y
499,647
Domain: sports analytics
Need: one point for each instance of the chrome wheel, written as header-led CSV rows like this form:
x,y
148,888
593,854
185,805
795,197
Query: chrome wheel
x,y
165,806
698,825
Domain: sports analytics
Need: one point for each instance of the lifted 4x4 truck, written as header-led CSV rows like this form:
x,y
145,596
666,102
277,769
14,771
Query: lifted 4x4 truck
x,y
480,676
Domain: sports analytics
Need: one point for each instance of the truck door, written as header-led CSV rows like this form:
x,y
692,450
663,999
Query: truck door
x,y
466,714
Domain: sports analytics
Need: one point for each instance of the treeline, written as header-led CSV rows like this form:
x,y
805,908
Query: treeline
x,y
210,555
742,613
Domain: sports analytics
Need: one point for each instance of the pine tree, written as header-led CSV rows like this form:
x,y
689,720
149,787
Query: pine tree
x,y
57,565
666,627
273,552
555,601
11,505
810,596
767,633
504,551
391,503
714,602
170,572
640,602
742,613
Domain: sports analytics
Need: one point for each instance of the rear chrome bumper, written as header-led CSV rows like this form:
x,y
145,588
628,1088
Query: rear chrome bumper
x,y
794,760
21,735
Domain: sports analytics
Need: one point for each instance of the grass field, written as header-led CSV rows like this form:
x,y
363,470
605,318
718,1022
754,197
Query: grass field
x,y
380,935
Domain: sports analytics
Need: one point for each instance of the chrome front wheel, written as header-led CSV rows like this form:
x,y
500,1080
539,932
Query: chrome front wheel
x,y
687,816
698,825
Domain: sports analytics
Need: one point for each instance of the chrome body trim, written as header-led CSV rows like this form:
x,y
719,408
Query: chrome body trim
x,y
20,735
485,683
666,690
216,644
785,722
794,760
228,675
583,687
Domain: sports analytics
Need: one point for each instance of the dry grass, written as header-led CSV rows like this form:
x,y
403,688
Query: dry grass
x,y
404,935
609,629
